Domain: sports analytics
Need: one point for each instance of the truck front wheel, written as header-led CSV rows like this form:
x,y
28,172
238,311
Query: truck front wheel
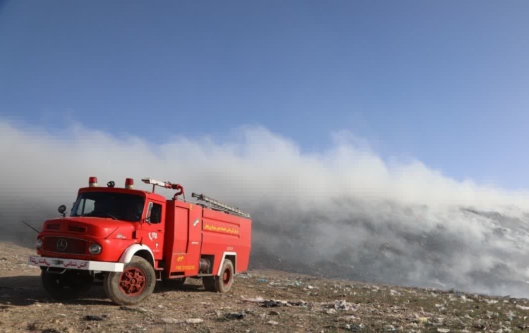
x,y
222,283
133,285
66,286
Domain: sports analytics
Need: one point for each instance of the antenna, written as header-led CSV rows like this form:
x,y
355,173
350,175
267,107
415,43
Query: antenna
x,y
221,205
30,227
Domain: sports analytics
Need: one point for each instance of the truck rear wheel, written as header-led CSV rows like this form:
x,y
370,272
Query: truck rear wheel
x,y
209,283
67,286
133,285
222,283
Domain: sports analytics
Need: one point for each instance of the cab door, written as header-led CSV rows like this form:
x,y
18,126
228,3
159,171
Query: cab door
x,y
153,227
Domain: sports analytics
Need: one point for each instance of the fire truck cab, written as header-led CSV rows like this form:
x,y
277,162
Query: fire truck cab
x,y
131,238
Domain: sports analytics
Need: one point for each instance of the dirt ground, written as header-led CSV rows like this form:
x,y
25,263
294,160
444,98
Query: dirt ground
x,y
260,301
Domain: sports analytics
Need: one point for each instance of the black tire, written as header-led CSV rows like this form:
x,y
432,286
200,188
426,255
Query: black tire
x,y
133,285
209,283
222,283
70,285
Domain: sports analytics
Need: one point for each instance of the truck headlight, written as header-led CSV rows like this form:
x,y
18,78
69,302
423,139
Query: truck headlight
x,y
39,243
95,249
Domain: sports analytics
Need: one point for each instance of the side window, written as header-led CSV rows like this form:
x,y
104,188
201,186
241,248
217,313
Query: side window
x,y
85,206
88,206
155,211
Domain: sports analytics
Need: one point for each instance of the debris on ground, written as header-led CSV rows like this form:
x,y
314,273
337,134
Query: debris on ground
x,y
260,301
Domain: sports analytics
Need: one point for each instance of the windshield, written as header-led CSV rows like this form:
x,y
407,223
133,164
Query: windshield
x,y
117,206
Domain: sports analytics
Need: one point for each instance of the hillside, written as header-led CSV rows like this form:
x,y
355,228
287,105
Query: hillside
x,y
261,301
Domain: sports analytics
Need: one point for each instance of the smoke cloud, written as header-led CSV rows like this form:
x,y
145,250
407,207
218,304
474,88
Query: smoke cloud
x,y
341,213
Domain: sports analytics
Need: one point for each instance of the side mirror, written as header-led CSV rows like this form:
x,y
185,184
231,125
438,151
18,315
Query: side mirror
x,y
62,209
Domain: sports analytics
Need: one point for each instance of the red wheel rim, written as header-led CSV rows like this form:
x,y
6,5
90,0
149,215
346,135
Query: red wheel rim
x,y
226,277
132,281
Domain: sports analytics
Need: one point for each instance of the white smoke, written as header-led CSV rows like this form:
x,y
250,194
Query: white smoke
x,y
343,212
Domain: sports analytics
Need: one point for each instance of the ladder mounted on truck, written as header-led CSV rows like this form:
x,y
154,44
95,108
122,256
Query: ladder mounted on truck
x,y
219,205
215,204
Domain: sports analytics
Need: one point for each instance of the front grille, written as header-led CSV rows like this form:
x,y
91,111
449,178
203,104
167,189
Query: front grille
x,y
53,226
64,245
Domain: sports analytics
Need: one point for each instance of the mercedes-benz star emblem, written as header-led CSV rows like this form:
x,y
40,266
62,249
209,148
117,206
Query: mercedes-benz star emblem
x,y
62,244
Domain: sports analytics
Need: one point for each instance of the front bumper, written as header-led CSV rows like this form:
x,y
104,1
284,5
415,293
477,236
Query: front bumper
x,y
86,265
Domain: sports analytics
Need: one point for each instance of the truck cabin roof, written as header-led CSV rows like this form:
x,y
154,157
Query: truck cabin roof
x,y
143,193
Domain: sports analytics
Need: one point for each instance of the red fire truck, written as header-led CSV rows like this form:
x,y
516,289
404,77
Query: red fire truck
x,y
128,239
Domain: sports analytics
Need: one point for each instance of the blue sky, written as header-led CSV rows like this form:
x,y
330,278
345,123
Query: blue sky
x,y
445,82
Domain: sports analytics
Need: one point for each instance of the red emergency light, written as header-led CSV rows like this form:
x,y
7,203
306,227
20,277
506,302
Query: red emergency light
x,y
92,181
129,183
